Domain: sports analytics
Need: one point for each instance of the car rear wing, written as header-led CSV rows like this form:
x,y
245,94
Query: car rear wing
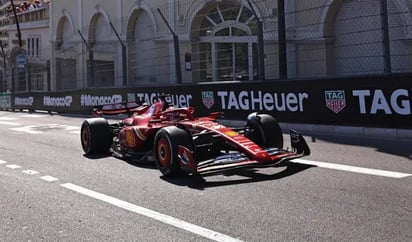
x,y
119,108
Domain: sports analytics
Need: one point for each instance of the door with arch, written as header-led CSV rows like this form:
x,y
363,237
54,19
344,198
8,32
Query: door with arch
x,y
228,44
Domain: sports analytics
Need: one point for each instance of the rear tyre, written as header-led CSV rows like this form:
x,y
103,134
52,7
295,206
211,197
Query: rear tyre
x,y
96,136
165,148
264,131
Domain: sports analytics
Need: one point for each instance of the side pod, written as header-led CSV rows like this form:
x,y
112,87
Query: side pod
x,y
298,143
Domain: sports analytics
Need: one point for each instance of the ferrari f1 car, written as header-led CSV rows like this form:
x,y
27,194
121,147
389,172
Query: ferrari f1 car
x,y
177,141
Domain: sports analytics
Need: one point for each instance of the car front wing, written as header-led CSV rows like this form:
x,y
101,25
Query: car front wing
x,y
238,160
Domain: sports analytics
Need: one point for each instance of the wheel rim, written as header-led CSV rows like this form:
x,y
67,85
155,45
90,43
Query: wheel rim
x,y
163,152
86,138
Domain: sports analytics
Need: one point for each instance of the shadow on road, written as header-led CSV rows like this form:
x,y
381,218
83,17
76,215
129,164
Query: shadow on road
x,y
249,176
144,165
393,147
96,157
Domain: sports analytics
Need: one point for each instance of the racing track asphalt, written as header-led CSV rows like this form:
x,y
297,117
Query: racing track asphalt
x,y
295,202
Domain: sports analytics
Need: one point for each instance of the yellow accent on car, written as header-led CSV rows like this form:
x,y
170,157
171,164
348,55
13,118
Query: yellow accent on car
x,y
140,134
130,138
231,133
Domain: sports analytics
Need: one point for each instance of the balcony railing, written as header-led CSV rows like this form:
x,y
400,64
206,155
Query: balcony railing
x,y
30,15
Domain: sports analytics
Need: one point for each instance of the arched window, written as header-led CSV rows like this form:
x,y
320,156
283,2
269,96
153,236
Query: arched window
x,y
145,57
103,46
358,43
66,64
228,44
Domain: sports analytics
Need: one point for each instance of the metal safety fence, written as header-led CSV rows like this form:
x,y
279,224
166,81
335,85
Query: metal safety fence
x,y
186,41
287,58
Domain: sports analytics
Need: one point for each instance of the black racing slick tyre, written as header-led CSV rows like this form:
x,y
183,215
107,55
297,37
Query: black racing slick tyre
x,y
165,148
96,136
264,130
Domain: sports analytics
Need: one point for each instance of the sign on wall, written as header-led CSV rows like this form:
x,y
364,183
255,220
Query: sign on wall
x,y
376,102
5,100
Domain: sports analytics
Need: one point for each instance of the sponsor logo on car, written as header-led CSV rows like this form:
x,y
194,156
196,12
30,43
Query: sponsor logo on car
x,y
335,100
208,99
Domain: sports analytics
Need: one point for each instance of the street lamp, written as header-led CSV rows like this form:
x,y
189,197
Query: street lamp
x,y
91,59
22,58
17,23
4,69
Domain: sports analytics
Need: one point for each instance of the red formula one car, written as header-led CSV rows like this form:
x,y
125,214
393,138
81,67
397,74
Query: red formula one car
x,y
178,141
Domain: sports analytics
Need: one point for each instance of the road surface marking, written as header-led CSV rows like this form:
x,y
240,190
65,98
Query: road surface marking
x,y
30,172
354,169
49,178
33,115
27,129
195,229
13,166
70,128
38,129
2,162
9,123
7,118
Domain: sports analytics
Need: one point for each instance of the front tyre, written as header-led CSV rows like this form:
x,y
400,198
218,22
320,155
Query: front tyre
x,y
165,148
95,136
264,130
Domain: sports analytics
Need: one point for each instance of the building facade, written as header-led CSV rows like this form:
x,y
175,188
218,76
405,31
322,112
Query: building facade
x,y
26,58
105,43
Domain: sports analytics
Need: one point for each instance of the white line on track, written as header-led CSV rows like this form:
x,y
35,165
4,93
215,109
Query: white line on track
x,y
33,115
70,128
2,162
195,229
27,129
7,118
30,172
9,123
49,178
354,169
13,166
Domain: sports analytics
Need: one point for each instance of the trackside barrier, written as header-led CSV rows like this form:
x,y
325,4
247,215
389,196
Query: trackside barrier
x,y
5,101
383,101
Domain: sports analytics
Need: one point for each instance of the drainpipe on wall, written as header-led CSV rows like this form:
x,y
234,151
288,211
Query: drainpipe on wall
x,y
283,64
91,59
261,44
124,57
177,50
17,23
385,37
4,70
20,43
